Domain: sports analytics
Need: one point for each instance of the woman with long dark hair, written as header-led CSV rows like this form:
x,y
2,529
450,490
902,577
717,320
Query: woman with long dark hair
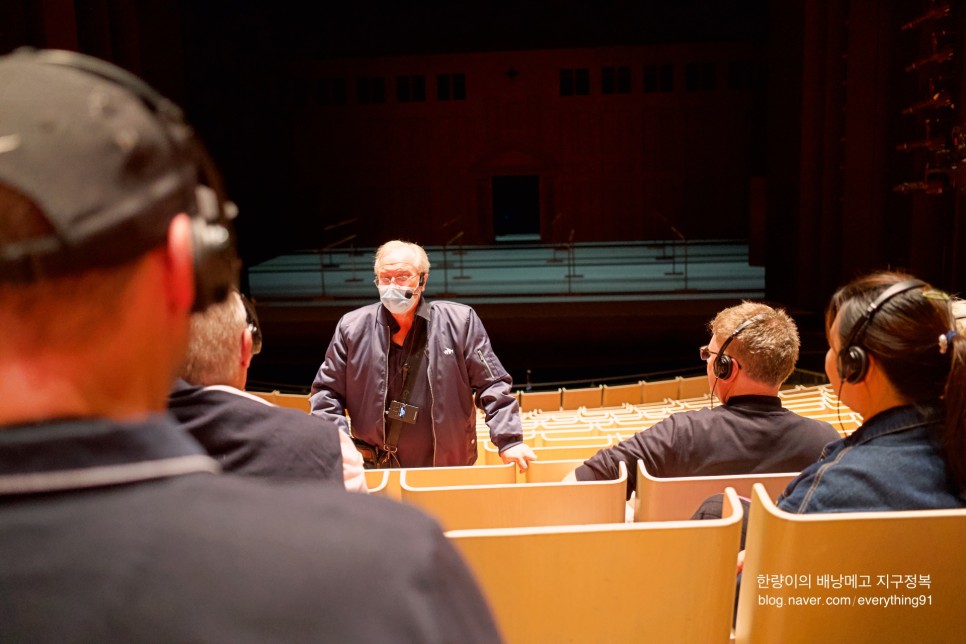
x,y
896,358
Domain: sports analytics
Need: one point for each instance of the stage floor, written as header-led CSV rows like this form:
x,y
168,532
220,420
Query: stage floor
x,y
509,272
555,314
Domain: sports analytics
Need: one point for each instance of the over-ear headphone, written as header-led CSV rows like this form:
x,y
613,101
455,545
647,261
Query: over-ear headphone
x,y
198,181
723,364
852,362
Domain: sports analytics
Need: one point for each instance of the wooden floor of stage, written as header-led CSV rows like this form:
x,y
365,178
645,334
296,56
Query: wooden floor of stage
x,y
555,313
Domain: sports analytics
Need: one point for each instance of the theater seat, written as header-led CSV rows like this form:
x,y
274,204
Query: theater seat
x,y
460,507
676,499
855,576
628,582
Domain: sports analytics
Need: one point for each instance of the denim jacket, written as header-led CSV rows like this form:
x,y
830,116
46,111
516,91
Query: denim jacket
x,y
890,463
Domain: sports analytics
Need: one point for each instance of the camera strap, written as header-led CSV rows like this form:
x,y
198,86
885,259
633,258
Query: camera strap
x,y
410,373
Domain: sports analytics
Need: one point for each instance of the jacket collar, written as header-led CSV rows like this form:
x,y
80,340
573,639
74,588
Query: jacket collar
x,y
898,419
423,310
751,400
81,453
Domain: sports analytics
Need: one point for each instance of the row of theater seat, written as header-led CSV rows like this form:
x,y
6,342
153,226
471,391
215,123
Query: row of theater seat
x,y
556,433
492,496
558,562
640,392
623,409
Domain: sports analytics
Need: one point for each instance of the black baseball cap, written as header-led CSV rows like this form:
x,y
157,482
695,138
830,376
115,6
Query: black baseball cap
x,y
101,155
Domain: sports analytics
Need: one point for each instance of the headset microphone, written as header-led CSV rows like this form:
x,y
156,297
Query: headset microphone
x,y
408,293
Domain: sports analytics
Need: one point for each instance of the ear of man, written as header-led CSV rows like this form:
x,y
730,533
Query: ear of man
x,y
179,264
247,343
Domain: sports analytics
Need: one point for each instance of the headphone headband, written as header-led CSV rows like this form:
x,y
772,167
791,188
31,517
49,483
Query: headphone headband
x,y
853,361
873,308
137,195
723,364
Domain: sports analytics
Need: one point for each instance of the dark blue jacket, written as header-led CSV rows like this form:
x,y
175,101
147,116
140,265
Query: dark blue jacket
x,y
251,437
121,532
890,463
460,368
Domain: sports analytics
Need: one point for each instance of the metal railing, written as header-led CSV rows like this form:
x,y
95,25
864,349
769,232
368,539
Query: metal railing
x,y
610,269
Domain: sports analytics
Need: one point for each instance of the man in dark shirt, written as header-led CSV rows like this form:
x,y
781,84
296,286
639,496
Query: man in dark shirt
x,y
752,351
116,524
411,374
244,433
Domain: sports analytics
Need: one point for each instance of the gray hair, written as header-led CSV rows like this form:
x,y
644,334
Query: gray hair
x,y
421,260
214,343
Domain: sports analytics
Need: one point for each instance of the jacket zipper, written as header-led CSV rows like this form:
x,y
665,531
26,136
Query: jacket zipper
x,y
486,364
432,400
385,390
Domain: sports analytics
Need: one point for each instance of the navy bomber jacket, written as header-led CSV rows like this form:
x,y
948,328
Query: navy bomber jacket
x,y
461,370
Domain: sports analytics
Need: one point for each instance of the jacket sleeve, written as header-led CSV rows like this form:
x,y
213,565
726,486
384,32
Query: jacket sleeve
x,y
492,385
353,469
328,389
654,446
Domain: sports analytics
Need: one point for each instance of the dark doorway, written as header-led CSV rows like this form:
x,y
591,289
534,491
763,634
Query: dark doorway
x,y
516,208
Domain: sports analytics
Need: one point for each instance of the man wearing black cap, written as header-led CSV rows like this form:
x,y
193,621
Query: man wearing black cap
x,y
115,524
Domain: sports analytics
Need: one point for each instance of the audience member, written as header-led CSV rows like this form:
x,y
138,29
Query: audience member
x,y
752,350
408,371
244,433
896,358
116,524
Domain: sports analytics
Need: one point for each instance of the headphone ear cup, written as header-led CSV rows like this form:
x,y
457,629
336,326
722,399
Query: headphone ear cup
x,y
853,364
723,367
215,263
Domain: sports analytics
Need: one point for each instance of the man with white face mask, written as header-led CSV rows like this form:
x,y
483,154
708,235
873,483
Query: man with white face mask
x,y
407,371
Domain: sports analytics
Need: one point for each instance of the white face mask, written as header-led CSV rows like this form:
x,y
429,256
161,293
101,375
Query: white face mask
x,y
394,298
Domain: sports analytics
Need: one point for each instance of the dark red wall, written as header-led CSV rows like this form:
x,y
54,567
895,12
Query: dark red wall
x,y
610,166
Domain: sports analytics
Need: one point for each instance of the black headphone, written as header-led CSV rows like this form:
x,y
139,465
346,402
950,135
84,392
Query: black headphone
x,y
723,364
216,263
852,362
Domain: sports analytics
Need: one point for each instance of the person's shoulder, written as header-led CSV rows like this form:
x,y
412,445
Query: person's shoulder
x,y
694,417
300,553
819,428
452,313
221,397
181,388
298,420
183,392
452,308
367,312
304,507
685,420
794,421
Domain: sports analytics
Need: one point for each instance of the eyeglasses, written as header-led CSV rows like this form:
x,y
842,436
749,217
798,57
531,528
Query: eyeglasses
x,y
251,319
706,353
398,280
